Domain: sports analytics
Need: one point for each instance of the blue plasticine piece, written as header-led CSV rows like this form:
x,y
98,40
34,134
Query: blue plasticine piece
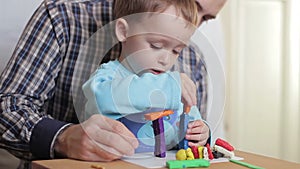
x,y
183,124
196,163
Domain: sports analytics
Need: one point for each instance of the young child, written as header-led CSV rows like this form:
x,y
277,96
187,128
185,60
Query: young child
x,y
152,34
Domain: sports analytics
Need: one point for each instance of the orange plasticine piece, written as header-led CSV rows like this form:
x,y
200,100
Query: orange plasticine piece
x,y
187,109
156,115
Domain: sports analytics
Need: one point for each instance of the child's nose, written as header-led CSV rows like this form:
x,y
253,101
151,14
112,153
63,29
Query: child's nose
x,y
164,58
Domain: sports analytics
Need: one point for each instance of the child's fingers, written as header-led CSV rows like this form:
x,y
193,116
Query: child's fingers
x,y
188,89
197,144
197,127
196,130
197,123
197,139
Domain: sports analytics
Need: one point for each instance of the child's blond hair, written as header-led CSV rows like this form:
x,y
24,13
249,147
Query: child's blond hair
x,y
186,8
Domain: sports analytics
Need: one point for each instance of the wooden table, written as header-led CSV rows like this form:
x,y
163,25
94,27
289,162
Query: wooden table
x,y
262,161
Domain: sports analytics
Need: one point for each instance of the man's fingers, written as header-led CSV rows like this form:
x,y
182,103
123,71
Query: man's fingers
x,y
116,127
106,139
112,136
79,143
123,131
97,153
106,153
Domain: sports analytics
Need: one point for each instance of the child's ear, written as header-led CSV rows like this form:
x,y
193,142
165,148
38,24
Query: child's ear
x,y
121,29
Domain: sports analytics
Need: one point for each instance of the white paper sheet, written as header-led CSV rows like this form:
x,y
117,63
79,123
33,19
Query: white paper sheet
x,y
148,160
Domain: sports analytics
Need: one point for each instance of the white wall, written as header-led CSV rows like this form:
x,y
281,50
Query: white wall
x,y
14,14
262,105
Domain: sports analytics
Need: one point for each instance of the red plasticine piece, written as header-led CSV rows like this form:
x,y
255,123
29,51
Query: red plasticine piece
x,y
210,154
195,152
224,144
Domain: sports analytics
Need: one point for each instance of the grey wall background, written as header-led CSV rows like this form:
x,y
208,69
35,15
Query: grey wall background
x,y
14,15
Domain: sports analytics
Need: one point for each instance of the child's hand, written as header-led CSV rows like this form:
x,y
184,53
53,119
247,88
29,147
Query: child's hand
x,y
197,133
188,91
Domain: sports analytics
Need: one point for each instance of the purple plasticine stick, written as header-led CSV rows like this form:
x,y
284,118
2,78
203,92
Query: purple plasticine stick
x,y
160,142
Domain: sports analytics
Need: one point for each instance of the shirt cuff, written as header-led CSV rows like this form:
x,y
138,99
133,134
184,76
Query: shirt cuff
x,y
52,152
43,134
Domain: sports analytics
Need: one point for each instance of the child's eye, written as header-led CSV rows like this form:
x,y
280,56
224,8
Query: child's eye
x,y
176,52
156,45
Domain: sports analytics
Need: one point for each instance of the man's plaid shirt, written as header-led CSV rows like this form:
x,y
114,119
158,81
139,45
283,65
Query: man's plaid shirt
x,y
36,99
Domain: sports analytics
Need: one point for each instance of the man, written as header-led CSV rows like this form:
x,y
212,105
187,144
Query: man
x,y
38,116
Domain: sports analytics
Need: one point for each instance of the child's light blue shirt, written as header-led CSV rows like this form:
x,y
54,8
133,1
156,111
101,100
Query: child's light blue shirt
x,y
120,94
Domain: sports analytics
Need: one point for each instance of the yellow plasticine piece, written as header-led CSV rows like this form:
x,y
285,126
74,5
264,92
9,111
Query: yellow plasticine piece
x,y
200,151
189,154
181,155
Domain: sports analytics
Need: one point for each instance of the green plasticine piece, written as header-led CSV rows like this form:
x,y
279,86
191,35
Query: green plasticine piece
x,y
172,164
245,164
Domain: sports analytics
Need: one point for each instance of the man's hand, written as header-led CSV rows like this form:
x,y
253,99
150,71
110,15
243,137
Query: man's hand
x,y
188,91
197,133
97,139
